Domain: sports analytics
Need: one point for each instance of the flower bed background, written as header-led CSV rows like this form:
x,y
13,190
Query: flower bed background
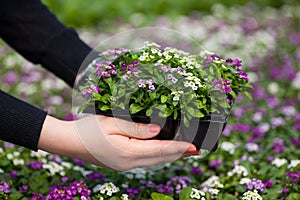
x,y
259,150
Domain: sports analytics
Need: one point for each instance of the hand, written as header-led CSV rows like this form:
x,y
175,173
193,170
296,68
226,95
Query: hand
x,y
111,143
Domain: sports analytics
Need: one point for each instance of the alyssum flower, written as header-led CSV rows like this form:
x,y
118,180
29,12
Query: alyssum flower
x,y
170,81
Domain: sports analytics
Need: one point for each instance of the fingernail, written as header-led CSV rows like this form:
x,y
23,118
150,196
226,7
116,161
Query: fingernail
x,y
191,154
192,150
153,128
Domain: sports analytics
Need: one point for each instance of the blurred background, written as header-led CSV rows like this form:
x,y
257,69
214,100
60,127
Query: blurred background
x,y
93,13
263,135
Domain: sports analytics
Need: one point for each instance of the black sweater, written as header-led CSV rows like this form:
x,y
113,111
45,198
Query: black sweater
x,y
29,28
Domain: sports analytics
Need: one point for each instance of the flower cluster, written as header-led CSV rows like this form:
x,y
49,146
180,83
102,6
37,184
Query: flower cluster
x,y
251,195
197,194
76,189
256,184
197,81
4,187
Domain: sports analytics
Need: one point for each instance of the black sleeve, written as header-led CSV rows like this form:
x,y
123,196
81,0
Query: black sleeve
x,y
20,123
29,27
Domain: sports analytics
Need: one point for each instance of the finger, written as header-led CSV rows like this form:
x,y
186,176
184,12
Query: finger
x,y
153,161
135,130
153,148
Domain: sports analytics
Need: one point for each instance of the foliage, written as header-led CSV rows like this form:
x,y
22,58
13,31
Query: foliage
x,y
168,80
107,12
260,147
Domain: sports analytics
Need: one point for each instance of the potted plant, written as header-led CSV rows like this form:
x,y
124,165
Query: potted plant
x,y
189,96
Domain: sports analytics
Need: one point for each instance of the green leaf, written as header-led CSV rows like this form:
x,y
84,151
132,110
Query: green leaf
x,y
152,96
135,108
104,108
248,95
293,196
186,121
163,99
114,90
175,103
185,193
15,195
105,98
158,196
149,112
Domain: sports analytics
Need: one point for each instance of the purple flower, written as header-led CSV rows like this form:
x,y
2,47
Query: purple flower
x,y
270,159
284,191
24,189
4,187
256,184
10,78
149,184
35,165
272,102
165,188
268,183
278,146
235,63
179,182
12,174
243,75
64,179
60,192
241,128
96,176
8,145
80,189
196,170
296,142
277,121
222,85
297,127
215,163
132,192
294,176
77,189
36,196
78,162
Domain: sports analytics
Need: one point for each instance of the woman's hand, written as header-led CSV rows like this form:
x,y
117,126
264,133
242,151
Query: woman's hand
x,y
112,143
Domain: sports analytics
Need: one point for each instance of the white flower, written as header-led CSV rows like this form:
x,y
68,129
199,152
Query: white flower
x,y
252,147
288,111
54,168
1,171
214,192
238,170
293,163
212,182
17,161
106,188
39,154
251,195
264,127
257,116
279,162
245,181
273,88
66,164
296,81
228,146
9,156
124,197
1,151
197,194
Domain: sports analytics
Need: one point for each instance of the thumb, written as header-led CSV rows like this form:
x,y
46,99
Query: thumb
x,y
137,130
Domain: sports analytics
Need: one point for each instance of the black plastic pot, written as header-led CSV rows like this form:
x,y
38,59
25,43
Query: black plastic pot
x,y
204,133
